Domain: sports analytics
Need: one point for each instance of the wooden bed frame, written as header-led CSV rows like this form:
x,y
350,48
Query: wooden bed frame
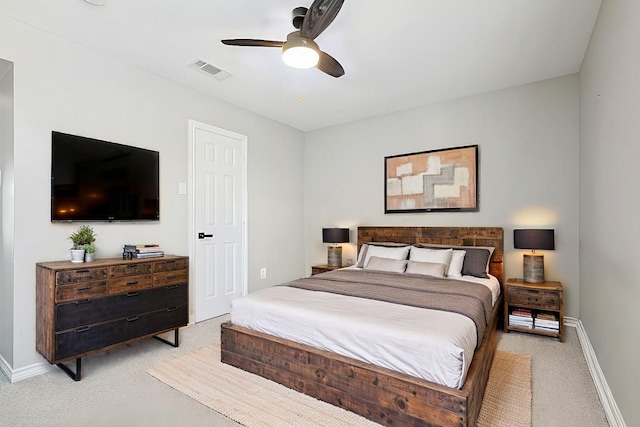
x,y
379,394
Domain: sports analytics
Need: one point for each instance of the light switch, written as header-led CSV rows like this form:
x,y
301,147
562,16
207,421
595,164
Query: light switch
x,y
182,188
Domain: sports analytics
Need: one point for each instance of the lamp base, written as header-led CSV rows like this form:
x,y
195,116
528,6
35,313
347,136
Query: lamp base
x,y
334,258
533,268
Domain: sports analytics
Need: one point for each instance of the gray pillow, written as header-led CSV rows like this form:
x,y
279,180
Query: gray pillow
x,y
386,264
426,268
475,262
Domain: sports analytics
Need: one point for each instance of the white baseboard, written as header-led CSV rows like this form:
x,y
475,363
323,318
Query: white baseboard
x,y
4,366
611,410
20,374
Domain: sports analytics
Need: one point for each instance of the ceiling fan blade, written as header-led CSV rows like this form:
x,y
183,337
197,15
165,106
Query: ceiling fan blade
x,y
252,42
320,14
329,65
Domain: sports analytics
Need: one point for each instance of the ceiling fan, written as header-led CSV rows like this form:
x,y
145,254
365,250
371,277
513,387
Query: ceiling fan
x,y
300,51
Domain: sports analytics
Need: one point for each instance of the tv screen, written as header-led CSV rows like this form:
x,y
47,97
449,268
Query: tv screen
x,y
93,180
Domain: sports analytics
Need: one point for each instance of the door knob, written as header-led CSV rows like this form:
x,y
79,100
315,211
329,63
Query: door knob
x,y
202,235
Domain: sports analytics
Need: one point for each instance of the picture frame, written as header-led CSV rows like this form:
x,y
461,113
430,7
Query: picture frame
x,y
441,180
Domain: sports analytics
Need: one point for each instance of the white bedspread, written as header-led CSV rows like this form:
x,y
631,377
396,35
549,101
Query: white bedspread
x,y
434,345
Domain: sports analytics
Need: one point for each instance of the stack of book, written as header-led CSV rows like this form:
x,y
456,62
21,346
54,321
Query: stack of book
x,y
521,318
142,251
546,322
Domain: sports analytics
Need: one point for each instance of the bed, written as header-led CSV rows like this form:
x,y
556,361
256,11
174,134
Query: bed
x,y
379,393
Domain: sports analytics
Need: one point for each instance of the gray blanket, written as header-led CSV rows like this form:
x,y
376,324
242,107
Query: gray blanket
x,y
472,300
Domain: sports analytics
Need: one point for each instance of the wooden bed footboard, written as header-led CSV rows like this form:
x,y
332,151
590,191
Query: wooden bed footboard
x,y
379,394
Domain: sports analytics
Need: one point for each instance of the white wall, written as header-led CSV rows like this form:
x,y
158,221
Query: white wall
x,y
609,202
6,213
528,161
65,87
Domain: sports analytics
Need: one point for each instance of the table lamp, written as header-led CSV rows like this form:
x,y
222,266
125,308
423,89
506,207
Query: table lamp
x,y
335,236
533,264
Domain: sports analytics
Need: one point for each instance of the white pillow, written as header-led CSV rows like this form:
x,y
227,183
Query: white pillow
x,y
394,252
457,261
426,268
386,264
438,256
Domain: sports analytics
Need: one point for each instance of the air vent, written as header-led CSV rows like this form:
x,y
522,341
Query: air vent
x,y
210,69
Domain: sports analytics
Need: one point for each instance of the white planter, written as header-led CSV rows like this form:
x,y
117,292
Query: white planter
x,y
77,255
88,256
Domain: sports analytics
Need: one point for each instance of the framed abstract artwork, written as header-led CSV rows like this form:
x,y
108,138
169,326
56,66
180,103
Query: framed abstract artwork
x,y
444,180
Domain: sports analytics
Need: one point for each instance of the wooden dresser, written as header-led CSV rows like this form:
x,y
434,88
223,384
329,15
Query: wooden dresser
x,y
85,308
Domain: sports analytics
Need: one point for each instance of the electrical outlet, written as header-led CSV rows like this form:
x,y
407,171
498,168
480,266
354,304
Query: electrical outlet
x,y
263,273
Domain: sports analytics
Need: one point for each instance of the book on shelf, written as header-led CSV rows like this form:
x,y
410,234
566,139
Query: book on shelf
x,y
148,254
142,251
521,321
546,321
140,247
521,324
148,250
521,312
546,316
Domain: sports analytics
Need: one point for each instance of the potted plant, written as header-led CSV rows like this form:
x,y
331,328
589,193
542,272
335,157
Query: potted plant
x,y
84,236
89,252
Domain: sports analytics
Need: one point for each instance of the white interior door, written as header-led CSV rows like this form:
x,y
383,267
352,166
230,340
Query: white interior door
x,y
218,218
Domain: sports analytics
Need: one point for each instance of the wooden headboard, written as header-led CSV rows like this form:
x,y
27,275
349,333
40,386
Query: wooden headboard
x,y
454,236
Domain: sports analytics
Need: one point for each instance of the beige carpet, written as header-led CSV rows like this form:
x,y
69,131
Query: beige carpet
x,y
256,402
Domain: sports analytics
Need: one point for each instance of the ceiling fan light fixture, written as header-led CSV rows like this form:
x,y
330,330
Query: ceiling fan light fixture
x,y
299,52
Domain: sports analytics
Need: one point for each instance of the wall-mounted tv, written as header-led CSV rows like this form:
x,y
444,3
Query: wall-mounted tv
x,y
94,180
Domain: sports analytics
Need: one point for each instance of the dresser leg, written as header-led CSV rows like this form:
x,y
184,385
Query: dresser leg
x,y
74,375
176,339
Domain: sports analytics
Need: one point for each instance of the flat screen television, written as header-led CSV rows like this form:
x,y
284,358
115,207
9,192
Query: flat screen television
x,y
94,180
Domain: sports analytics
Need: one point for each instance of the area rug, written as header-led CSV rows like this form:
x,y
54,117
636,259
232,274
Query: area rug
x,y
257,402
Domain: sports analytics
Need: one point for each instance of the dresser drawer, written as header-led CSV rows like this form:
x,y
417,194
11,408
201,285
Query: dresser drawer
x,y
81,291
170,278
87,312
88,338
135,269
534,298
130,284
170,265
67,277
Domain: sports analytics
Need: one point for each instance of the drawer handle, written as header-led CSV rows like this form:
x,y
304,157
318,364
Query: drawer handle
x,y
135,282
533,291
83,301
132,318
132,265
82,271
86,288
172,287
83,329
174,308
133,294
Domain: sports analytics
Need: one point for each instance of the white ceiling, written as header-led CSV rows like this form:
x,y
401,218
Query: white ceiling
x,y
396,54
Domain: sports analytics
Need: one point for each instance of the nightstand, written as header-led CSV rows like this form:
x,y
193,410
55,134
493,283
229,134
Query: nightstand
x,y
317,269
535,308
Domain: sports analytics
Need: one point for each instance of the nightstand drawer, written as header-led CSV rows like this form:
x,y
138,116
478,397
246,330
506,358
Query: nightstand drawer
x,y
535,298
